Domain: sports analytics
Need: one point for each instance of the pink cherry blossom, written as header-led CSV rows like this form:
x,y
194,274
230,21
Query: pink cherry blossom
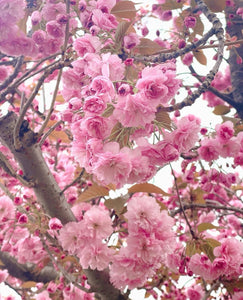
x,y
87,44
7,210
224,131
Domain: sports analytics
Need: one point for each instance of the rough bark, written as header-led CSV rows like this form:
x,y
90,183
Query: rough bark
x,y
234,28
48,193
26,272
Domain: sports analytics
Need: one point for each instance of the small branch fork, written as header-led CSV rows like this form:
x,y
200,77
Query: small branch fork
x,y
182,206
217,29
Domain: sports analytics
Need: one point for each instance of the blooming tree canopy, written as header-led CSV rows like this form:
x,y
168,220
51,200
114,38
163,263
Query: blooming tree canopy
x,y
92,101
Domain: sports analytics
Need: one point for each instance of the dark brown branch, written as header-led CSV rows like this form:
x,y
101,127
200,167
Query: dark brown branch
x,y
226,97
219,32
236,69
205,206
26,272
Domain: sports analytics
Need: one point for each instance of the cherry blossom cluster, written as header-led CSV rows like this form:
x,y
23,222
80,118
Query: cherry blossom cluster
x,y
150,239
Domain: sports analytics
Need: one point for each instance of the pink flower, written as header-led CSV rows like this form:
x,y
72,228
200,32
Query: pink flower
x,y
39,37
209,149
195,293
55,224
98,223
68,236
103,85
95,126
225,131
187,59
94,105
12,11
112,67
3,275
201,265
153,87
104,21
237,296
131,40
112,167
51,10
87,44
186,134
95,256
43,296
105,5
133,111
190,22
229,149
54,29
7,210
143,213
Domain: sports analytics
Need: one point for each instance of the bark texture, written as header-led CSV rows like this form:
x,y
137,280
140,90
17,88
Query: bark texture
x,y
234,28
48,194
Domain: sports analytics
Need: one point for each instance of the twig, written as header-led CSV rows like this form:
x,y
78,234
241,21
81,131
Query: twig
x,y
49,132
74,181
4,163
219,32
226,97
14,74
69,277
205,206
182,206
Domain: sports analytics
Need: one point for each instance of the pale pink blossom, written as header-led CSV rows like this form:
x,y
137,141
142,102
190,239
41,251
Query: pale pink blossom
x,y
98,223
95,126
55,224
96,255
54,29
51,10
209,149
201,265
112,167
104,21
187,59
131,40
68,236
94,105
7,210
105,5
133,111
3,275
237,296
112,67
87,44
186,134
43,296
103,85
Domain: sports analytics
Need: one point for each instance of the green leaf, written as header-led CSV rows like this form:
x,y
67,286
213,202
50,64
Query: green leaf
x,y
124,9
146,188
205,226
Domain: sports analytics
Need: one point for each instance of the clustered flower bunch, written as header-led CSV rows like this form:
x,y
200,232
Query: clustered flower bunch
x,y
114,130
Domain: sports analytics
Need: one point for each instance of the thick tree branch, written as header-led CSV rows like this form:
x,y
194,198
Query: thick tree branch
x,y
26,272
49,194
234,28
